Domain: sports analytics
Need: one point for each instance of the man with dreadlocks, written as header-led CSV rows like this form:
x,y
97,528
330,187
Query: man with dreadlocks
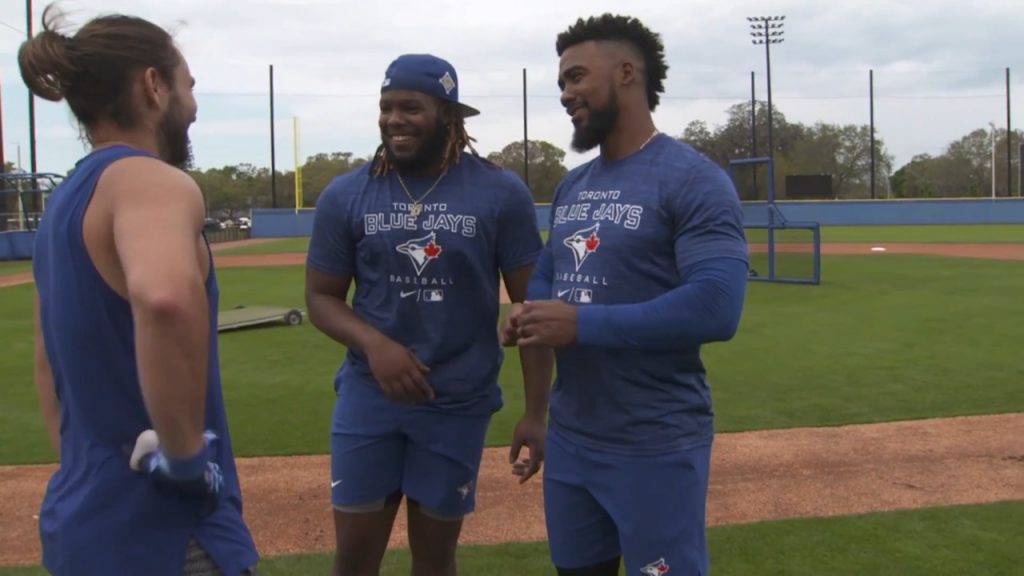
x,y
424,230
646,262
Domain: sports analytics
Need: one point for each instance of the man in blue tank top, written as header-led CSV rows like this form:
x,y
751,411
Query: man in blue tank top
x,y
126,320
424,230
646,262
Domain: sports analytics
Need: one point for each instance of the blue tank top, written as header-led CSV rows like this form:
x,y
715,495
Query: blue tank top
x,y
98,516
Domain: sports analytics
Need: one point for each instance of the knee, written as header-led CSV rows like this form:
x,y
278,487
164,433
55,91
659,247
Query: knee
x,y
349,561
606,568
433,557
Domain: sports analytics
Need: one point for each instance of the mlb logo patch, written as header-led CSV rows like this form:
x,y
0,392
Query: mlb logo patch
x,y
584,296
435,295
447,83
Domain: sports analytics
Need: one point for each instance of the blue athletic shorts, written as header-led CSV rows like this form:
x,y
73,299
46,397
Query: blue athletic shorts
x,y
648,509
379,448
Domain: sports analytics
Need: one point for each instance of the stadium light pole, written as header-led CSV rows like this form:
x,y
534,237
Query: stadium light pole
x,y
767,30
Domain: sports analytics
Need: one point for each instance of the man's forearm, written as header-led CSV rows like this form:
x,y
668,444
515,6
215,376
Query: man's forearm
x,y
705,309
172,343
538,366
335,318
48,404
540,282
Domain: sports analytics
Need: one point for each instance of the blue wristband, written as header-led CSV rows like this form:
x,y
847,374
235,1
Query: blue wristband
x,y
185,468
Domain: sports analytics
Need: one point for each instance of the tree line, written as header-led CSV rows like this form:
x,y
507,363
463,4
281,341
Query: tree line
x,y
841,151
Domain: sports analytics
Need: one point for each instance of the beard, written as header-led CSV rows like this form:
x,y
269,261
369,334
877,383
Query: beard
x,y
426,156
172,132
595,129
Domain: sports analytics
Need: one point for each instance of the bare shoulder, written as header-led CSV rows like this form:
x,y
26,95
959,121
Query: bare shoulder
x,y
145,179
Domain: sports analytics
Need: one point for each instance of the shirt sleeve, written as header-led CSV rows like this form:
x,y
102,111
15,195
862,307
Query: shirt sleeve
x,y
707,218
519,240
543,278
705,308
711,258
331,246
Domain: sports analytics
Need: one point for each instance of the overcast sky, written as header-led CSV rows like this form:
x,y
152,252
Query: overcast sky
x,y
939,68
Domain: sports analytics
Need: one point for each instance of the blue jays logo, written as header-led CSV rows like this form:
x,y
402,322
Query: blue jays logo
x,y
421,251
655,568
583,243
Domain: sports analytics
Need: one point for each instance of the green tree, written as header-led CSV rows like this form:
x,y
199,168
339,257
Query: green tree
x,y
232,191
963,170
546,166
320,169
731,141
843,151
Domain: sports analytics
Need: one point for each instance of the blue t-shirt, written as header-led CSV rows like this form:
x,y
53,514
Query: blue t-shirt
x,y
624,232
99,516
429,282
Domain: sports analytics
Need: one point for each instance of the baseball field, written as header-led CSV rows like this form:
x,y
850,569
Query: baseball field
x,y
869,425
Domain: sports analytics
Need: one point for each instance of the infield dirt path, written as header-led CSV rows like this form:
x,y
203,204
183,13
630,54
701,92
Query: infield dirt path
x,y
755,476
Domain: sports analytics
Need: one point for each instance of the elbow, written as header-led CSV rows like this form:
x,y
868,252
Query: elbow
x,y
168,303
725,330
315,309
728,323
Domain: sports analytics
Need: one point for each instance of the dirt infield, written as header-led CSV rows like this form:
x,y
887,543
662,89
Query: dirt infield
x,y
755,476
16,279
993,251
1007,251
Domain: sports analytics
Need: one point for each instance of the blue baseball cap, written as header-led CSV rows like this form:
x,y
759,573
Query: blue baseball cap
x,y
428,74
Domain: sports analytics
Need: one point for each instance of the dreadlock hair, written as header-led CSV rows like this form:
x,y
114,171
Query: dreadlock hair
x,y
455,141
608,27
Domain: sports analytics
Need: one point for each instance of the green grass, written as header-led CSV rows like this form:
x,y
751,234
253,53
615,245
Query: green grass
x,y
976,234
8,267
931,542
275,246
884,338
949,541
981,233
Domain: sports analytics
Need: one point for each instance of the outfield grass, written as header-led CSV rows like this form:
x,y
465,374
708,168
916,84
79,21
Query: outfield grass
x,y
275,246
884,338
981,233
14,266
950,541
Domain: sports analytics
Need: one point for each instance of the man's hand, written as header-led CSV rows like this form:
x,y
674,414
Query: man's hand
x,y
547,323
197,476
529,432
398,371
508,334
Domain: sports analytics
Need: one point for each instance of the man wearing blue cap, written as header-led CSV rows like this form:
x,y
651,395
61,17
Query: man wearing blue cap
x,y
424,229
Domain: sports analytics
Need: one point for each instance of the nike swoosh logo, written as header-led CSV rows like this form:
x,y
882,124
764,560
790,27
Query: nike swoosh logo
x,y
407,294
564,292
335,483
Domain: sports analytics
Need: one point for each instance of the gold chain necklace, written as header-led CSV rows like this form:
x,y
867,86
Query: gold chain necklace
x,y
414,205
655,133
